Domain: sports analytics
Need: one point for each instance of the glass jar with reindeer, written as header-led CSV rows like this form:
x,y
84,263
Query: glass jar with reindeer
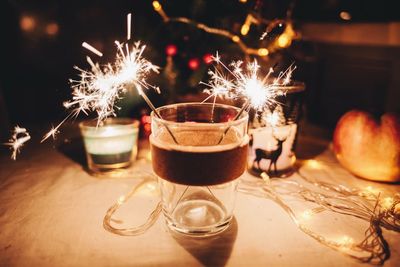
x,y
273,134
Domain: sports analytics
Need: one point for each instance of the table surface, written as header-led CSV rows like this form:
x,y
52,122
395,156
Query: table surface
x,y
52,210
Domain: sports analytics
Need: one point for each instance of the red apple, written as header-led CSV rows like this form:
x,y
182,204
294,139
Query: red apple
x,y
369,148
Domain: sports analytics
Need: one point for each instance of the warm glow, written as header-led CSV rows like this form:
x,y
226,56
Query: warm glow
x,y
171,50
245,29
194,63
265,176
307,215
314,164
293,160
255,92
242,1
157,5
284,40
52,28
148,155
27,23
121,200
387,203
263,52
208,58
371,190
345,242
344,15
235,38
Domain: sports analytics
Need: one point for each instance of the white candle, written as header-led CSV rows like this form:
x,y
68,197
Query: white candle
x,y
112,145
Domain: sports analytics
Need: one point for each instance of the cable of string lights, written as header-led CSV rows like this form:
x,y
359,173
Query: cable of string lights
x,y
377,208
284,40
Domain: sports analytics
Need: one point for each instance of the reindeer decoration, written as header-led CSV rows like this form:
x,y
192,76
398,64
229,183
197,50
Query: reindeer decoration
x,y
272,120
271,155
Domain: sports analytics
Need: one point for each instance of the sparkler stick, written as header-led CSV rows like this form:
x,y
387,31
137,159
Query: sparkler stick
x,y
153,108
244,107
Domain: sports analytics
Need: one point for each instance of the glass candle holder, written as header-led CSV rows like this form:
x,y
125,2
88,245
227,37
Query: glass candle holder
x,y
273,134
111,145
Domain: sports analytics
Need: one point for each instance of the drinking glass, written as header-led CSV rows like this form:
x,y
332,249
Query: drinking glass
x,y
198,153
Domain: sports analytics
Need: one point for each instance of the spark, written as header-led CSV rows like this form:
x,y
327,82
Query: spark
x,y
275,118
54,130
128,26
100,87
245,82
17,140
92,49
218,85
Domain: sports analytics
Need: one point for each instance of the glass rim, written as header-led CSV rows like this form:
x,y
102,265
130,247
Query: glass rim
x,y
120,122
243,117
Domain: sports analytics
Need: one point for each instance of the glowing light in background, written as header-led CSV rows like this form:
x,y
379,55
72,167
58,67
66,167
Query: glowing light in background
x,y
208,58
245,29
194,63
262,52
27,23
157,5
52,29
344,15
235,38
171,50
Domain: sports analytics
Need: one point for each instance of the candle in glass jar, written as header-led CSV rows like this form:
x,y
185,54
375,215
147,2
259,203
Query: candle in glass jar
x,y
112,145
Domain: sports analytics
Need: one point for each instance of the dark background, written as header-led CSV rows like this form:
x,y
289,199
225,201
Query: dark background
x,y
37,63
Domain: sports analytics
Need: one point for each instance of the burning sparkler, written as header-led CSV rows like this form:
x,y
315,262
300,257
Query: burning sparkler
x,y
259,93
275,118
17,140
99,88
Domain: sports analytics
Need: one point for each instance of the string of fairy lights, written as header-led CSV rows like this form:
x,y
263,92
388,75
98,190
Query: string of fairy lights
x,y
377,208
284,40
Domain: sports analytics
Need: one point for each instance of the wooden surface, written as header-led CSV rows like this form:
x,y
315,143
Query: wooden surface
x,y
51,214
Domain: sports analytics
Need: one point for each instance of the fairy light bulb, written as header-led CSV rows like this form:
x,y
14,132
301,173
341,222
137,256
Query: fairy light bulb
x,y
156,6
306,215
387,203
345,242
313,164
263,52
